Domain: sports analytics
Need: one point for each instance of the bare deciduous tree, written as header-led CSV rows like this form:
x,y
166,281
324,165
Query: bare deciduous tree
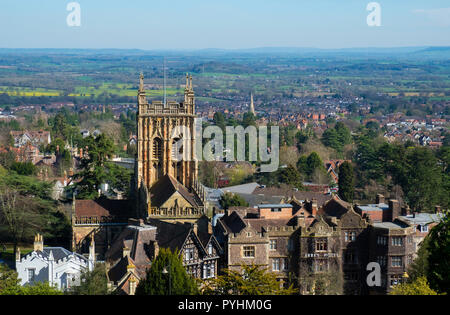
x,y
19,218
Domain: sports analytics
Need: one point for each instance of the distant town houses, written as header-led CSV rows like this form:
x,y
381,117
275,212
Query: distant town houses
x,y
423,131
332,167
36,138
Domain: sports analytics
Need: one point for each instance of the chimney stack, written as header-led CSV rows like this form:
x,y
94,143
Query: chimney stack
x,y
437,209
314,207
394,208
18,254
379,199
38,243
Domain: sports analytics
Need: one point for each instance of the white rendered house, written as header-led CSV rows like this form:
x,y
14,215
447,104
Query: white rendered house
x,y
55,265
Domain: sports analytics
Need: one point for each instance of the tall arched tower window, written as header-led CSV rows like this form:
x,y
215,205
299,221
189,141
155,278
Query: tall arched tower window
x,y
157,149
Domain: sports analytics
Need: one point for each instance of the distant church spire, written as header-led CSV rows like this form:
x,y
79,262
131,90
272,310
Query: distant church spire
x,y
252,105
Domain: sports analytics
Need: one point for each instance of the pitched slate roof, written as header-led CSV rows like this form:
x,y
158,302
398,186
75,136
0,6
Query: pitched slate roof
x,y
241,189
254,200
165,187
285,192
171,235
58,253
137,239
117,272
233,223
334,208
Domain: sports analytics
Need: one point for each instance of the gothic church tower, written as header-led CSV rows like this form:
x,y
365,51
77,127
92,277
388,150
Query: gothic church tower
x,y
163,165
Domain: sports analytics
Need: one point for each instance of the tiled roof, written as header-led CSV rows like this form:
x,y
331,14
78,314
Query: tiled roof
x,y
287,192
335,207
103,208
241,189
118,271
165,187
423,218
58,253
171,235
374,207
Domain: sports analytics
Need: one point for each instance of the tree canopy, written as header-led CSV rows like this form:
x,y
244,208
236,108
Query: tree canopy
x,y
167,276
92,282
252,280
96,168
228,200
420,286
10,285
346,182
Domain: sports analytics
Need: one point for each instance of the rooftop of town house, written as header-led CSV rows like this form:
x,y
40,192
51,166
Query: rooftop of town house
x,y
264,206
390,225
422,218
374,207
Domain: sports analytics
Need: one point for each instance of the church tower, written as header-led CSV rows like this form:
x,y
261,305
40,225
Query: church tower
x,y
165,161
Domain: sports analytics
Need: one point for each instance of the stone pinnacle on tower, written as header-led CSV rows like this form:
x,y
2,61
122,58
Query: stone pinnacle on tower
x,y
141,82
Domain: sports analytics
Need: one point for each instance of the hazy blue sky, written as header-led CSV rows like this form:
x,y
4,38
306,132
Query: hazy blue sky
x,y
197,24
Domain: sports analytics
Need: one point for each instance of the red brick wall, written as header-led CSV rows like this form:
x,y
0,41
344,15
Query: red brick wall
x,y
375,216
285,213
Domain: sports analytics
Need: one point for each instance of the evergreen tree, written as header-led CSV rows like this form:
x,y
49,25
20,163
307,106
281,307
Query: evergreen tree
x,y
330,138
438,272
423,179
290,176
346,182
92,282
96,169
228,200
167,276
419,267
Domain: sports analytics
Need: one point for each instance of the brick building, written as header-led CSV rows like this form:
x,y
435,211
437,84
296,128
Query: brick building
x,y
324,250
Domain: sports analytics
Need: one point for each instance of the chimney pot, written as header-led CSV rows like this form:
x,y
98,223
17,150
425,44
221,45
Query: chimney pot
x,y
38,243
380,199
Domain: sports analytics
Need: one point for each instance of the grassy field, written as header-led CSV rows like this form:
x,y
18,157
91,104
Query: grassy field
x,y
8,255
24,91
86,91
